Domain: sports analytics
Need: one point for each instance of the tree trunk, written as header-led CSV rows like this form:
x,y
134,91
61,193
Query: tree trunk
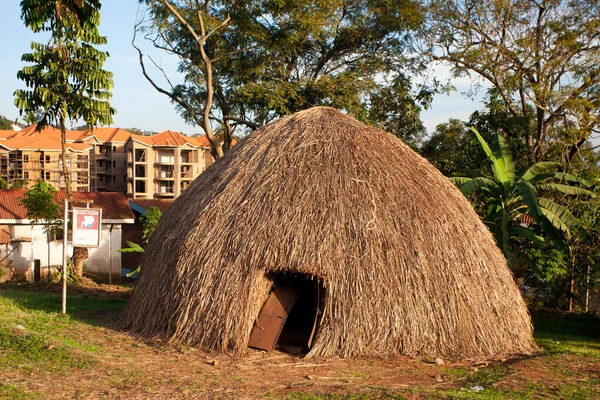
x,y
80,254
63,144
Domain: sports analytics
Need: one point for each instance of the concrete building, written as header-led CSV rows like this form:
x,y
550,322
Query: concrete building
x,y
105,160
28,156
163,165
32,253
108,166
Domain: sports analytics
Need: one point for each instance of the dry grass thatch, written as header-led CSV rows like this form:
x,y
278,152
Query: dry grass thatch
x,y
407,264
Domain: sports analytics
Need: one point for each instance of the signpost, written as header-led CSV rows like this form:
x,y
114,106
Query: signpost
x,y
87,225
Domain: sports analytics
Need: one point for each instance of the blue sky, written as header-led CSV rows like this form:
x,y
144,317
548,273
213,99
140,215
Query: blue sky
x,y
138,105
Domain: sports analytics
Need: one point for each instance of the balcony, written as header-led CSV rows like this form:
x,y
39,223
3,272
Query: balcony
x,y
164,176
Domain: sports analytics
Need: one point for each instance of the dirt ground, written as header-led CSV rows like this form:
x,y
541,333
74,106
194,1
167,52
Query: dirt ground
x,y
121,366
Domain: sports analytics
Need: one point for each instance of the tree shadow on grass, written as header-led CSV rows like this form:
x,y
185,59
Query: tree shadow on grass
x,y
93,305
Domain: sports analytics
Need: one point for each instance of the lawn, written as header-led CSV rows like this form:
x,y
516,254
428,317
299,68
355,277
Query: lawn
x,y
44,354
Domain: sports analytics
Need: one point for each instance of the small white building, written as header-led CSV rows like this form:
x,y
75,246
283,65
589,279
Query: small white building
x,y
33,253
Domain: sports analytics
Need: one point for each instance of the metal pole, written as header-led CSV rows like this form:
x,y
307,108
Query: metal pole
x,y
587,290
64,260
110,255
32,262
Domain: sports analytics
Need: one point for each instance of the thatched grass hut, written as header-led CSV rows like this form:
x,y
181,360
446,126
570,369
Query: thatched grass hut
x,y
398,260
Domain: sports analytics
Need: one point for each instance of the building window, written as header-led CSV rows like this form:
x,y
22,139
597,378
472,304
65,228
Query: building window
x,y
26,158
48,175
107,178
114,149
26,175
114,163
47,159
125,164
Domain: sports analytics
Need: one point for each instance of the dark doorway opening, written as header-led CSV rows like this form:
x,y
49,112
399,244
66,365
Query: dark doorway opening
x,y
290,318
301,324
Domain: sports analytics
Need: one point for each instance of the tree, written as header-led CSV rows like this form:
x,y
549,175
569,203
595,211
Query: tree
x,y
512,194
451,148
18,184
246,63
66,80
40,206
3,183
539,55
149,222
5,123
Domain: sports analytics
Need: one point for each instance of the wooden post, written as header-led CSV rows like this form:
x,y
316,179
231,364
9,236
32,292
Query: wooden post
x,y
64,260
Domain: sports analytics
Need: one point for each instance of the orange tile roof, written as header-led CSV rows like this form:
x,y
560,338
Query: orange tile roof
x,y
7,133
107,134
171,139
114,205
41,143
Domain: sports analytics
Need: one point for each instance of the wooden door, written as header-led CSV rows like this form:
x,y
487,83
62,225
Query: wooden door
x,y
272,317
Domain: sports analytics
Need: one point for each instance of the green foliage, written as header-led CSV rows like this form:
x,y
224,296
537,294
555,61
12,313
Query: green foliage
x,y
510,194
18,184
5,123
149,222
270,59
3,183
40,206
541,59
133,248
65,79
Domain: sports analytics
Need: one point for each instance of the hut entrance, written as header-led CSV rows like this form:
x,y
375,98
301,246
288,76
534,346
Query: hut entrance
x,y
290,317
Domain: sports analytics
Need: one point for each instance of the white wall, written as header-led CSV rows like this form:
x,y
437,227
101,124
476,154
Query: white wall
x,y
97,264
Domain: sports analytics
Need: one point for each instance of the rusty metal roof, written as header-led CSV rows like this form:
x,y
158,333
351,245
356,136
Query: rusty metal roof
x,y
162,204
114,205
4,234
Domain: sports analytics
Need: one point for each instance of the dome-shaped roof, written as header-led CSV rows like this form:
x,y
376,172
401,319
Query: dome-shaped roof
x,y
407,265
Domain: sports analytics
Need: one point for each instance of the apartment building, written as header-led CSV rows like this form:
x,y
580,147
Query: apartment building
x,y
163,165
108,165
105,159
28,156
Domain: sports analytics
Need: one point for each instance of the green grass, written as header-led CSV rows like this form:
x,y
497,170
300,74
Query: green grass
x,y
577,334
34,334
14,393
35,338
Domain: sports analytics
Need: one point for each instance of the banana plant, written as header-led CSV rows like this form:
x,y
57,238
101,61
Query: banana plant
x,y
511,195
133,248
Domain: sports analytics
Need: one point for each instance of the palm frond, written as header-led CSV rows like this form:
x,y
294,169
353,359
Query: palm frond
x,y
562,176
527,234
565,189
503,152
498,162
459,180
486,184
530,198
471,173
561,218
538,168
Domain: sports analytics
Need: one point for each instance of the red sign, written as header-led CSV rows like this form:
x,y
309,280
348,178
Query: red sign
x,y
86,227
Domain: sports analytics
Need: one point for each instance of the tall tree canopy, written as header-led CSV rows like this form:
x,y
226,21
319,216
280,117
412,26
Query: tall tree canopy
x,y
250,62
540,54
66,79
